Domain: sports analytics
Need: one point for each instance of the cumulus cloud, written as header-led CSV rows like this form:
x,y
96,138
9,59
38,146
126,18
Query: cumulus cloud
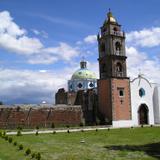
x,y
15,39
21,86
145,38
90,39
140,62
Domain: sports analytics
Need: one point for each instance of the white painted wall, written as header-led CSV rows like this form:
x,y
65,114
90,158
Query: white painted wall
x,y
136,100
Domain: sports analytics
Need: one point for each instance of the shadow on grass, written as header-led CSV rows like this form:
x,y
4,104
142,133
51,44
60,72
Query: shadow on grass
x,y
152,149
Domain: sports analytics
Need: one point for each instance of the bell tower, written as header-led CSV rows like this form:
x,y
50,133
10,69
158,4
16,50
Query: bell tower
x,y
113,85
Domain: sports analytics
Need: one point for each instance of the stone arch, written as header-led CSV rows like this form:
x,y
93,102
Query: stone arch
x,y
143,112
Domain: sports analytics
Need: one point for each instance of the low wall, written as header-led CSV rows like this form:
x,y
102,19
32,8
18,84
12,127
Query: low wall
x,y
42,116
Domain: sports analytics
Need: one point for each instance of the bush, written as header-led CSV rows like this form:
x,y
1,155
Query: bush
x,y
28,151
108,129
0,133
37,133
96,130
54,132
10,139
20,147
68,131
38,156
33,155
15,143
19,133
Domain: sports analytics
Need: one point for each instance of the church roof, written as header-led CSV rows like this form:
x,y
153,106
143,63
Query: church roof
x,y
83,72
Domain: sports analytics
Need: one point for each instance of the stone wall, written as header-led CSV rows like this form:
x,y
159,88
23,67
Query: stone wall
x,y
42,116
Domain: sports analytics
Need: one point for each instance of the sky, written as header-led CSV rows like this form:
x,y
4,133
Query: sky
x,y
43,41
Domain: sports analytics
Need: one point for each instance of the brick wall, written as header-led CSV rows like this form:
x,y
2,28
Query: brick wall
x,y
39,116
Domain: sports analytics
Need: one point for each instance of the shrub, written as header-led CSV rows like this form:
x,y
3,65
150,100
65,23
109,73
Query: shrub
x,y
142,126
108,129
28,151
33,155
19,133
10,139
20,147
38,156
96,130
15,143
0,133
52,125
68,131
37,133
54,132
82,130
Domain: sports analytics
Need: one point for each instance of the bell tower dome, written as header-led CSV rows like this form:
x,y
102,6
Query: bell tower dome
x,y
113,85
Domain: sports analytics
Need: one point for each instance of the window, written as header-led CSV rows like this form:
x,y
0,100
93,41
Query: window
x,y
141,92
121,92
118,48
118,67
79,85
91,85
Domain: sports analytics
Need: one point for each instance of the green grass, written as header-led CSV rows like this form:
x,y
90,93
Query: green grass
x,y
116,144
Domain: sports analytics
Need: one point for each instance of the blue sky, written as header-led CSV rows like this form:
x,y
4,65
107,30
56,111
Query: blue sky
x,y
42,42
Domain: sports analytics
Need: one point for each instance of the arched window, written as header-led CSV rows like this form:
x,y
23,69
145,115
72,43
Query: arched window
x,y
118,48
118,67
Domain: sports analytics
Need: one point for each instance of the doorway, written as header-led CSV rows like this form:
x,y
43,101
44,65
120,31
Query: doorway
x,y
143,114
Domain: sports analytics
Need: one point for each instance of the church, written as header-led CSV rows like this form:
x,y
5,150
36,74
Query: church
x,y
114,98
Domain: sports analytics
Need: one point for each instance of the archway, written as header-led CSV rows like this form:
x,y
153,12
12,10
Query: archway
x,y
143,114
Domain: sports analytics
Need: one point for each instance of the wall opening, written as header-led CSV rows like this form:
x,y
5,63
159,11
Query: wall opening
x,y
143,114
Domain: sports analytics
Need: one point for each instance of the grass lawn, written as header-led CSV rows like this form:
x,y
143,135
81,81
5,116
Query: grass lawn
x,y
115,144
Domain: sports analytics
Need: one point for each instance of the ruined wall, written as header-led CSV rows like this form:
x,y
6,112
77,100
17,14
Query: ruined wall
x,y
30,117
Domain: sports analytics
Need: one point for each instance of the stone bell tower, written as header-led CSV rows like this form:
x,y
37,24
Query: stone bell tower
x,y
113,85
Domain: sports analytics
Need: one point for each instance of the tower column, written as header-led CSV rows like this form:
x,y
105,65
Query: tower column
x,y
113,85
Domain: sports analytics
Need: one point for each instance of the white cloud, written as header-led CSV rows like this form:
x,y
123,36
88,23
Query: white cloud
x,y
40,33
139,62
144,38
21,86
15,40
90,39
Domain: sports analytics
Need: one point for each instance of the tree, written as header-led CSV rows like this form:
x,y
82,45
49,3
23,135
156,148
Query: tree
x,y
1,103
